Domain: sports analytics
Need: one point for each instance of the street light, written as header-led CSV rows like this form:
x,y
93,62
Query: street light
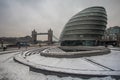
x,y
2,43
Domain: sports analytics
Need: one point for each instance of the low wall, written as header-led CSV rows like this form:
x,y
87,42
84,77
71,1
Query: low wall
x,y
80,51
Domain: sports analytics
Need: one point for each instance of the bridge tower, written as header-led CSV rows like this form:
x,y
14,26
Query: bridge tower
x,y
50,35
34,36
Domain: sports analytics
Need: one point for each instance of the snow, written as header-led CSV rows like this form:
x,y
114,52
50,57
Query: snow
x,y
76,65
14,71
39,76
4,57
111,60
53,49
73,63
11,70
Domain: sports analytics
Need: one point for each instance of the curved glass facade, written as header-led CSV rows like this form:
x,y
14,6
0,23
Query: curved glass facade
x,y
85,27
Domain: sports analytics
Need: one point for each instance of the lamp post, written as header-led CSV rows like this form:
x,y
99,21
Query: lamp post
x,y
117,39
2,43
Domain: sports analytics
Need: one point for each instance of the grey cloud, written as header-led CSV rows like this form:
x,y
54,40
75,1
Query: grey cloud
x,y
19,17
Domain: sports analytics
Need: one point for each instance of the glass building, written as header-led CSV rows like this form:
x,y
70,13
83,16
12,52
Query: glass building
x,y
112,33
85,27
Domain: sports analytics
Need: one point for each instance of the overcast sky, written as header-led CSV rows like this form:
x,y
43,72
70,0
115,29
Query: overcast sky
x,y
19,17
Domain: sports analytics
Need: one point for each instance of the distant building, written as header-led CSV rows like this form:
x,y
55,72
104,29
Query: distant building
x,y
27,39
14,40
85,28
112,33
8,40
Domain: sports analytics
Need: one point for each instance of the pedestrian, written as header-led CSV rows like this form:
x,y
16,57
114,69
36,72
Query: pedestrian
x,y
4,48
26,46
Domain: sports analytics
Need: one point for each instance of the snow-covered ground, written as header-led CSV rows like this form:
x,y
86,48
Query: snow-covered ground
x,y
73,63
111,60
11,70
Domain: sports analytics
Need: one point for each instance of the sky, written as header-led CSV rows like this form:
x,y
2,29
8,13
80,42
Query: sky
x,y
19,17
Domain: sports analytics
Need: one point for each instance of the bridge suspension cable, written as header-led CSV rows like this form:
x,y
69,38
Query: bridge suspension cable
x,y
55,38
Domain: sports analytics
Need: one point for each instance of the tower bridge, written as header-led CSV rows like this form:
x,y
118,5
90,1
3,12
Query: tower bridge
x,y
49,33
